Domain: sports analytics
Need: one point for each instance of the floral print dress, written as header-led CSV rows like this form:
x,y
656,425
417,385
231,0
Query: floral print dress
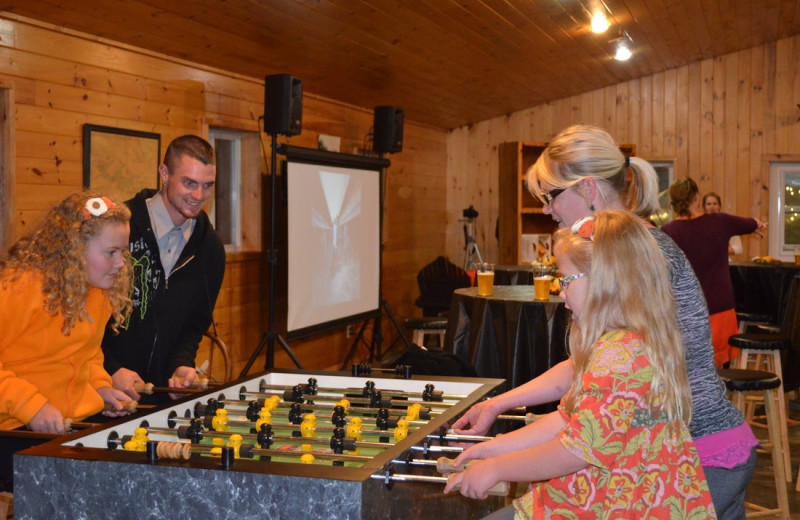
x,y
639,466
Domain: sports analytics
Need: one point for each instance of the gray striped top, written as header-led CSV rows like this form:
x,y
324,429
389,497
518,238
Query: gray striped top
x,y
712,411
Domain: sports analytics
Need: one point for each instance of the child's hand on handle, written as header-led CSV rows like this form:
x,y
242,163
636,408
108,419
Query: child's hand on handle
x,y
117,402
478,481
47,420
476,421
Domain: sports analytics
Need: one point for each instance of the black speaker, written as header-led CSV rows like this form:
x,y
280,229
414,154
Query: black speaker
x,y
283,104
387,129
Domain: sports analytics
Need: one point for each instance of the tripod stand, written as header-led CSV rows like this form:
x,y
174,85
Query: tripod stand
x,y
377,333
471,247
269,337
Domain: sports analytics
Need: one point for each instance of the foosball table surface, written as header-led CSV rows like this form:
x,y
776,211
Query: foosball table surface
x,y
91,474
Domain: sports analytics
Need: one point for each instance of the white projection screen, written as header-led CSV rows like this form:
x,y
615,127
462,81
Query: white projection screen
x,y
333,253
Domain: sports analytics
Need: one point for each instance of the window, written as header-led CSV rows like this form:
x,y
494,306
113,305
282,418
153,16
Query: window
x,y
665,172
238,189
784,209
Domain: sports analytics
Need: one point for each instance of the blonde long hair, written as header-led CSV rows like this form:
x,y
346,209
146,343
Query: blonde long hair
x,y
56,249
629,288
582,151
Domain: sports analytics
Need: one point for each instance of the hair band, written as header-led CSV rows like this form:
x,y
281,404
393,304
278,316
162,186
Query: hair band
x,y
96,206
584,228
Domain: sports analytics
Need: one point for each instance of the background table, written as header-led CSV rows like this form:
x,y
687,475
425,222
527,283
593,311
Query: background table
x,y
513,275
762,289
507,335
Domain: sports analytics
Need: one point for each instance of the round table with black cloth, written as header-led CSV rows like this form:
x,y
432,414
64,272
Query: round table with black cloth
x,y
762,289
507,335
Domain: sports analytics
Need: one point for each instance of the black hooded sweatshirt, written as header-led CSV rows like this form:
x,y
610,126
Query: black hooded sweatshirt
x,y
170,313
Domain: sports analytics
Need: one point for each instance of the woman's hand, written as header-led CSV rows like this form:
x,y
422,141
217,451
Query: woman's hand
x,y
48,420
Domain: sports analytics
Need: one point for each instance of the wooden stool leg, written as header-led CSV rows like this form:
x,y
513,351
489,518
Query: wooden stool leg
x,y
778,450
783,420
419,337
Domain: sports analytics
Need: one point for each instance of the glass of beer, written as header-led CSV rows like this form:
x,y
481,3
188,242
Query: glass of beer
x,y
541,283
485,279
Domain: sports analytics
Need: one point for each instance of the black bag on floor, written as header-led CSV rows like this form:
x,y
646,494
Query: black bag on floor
x,y
435,363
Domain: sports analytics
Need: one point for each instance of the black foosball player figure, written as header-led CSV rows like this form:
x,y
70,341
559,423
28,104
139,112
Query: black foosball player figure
x,y
56,284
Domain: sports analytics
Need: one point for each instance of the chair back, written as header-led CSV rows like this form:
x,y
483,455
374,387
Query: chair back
x,y
790,327
436,282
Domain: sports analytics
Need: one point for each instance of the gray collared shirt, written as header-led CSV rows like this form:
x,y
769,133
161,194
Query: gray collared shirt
x,y
171,238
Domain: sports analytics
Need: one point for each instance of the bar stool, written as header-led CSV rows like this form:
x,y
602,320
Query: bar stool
x,y
739,381
767,349
420,327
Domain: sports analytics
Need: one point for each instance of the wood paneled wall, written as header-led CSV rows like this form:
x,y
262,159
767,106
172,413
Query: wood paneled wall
x,y
61,80
719,120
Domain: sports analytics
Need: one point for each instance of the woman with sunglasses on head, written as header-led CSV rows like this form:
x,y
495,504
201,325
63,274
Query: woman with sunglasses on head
x,y
582,171
618,446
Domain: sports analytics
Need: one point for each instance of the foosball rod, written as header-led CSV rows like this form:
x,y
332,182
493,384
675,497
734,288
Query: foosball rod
x,y
282,438
395,412
500,489
299,393
428,396
184,450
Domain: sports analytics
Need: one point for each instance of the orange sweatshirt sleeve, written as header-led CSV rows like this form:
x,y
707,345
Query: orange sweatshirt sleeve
x,y
21,302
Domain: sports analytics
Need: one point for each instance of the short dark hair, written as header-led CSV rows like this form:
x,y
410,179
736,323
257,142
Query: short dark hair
x,y
191,145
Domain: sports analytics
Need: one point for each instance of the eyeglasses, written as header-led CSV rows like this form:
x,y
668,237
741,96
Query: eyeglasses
x,y
564,281
551,195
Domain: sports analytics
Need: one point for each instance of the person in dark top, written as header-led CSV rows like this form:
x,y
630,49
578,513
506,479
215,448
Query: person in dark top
x,y
704,240
178,266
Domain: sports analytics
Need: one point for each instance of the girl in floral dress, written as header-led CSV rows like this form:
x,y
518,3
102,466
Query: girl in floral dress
x,y
618,446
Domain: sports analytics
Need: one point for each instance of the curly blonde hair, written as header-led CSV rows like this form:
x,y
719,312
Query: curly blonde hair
x,y
56,249
629,288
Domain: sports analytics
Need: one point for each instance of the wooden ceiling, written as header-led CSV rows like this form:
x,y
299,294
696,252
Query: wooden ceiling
x,y
447,63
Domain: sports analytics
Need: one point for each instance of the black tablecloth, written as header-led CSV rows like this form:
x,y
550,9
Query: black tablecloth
x,y
762,289
507,335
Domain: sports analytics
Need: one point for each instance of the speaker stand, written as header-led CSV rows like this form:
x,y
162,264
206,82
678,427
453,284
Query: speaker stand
x,y
271,335
375,346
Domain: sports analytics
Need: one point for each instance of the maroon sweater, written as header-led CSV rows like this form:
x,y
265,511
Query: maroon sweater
x,y
704,240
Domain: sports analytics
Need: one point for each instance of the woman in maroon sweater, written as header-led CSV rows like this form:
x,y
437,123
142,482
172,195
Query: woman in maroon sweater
x,y
704,239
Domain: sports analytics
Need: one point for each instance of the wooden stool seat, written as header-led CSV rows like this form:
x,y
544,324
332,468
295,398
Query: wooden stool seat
x,y
738,381
427,325
760,341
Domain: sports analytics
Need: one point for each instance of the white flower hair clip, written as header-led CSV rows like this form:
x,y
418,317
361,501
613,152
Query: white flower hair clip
x,y
96,206
584,228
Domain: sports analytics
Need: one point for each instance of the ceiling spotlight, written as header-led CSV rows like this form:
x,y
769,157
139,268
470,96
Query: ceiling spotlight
x,y
623,51
599,22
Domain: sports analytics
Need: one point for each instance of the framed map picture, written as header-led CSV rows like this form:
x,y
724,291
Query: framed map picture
x,y
118,163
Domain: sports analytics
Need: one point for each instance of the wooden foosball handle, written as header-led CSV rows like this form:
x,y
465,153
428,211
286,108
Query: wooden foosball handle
x,y
199,383
127,406
445,465
144,388
501,489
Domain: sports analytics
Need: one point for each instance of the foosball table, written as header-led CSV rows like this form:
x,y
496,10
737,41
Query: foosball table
x,y
284,444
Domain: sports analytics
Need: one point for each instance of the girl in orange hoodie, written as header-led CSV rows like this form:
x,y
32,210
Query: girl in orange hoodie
x,y
58,288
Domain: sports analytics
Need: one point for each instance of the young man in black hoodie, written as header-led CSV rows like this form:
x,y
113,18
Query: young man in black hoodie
x,y
178,265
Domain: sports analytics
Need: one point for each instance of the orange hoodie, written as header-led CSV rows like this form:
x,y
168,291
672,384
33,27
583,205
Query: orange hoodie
x,y
39,364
